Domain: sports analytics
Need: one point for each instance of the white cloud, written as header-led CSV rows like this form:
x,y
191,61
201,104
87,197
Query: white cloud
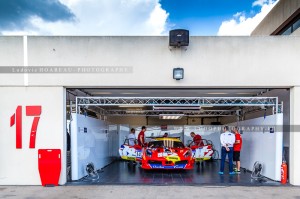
x,y
259,2
103,17
241,25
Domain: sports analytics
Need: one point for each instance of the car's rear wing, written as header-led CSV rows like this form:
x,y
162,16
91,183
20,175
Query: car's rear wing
x,y
162,137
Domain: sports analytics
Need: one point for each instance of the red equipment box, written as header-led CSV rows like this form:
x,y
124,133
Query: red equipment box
x,y
49,166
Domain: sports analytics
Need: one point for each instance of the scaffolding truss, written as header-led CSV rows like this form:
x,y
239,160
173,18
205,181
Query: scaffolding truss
x,y
264,102
202,113
177,101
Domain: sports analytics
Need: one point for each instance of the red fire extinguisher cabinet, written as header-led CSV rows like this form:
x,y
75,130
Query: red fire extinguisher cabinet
x,y
284,172
49,166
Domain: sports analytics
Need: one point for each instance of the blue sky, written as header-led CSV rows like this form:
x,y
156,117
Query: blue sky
x,y
131,17
204,17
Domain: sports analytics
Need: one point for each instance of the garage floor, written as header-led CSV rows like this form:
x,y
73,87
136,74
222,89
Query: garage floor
x,y
121,172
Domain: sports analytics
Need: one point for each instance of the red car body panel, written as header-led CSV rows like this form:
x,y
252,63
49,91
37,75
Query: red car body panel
x,y
172,154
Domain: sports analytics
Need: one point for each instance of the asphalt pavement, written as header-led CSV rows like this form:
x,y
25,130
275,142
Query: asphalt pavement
x,y
151,192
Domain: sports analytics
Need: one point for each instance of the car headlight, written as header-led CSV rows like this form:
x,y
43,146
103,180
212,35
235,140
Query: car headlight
x,y
148,153
188,153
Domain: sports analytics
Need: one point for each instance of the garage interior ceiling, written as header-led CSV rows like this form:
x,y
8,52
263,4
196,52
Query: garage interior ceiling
x,y
169,92
154,102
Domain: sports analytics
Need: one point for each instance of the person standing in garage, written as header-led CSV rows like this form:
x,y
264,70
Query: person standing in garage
x,y
131,137
197,139
227,140
237,149
141,137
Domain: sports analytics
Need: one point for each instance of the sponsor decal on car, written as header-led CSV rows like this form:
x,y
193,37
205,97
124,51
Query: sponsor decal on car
x,y
173,158
131,158
159,166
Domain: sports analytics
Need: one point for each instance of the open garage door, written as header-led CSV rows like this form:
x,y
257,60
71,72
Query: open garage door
x,y
100,125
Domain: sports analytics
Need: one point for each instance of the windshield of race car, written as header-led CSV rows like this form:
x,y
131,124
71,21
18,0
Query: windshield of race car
x,y
165,143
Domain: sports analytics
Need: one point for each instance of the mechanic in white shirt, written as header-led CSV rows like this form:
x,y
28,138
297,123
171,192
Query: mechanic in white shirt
x,y
131,137
227,140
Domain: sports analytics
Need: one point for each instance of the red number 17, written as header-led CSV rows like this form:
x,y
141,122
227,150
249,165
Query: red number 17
x,y
16,118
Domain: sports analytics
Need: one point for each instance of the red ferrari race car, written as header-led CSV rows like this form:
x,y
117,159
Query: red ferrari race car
x,y
130,153
202,151
167,153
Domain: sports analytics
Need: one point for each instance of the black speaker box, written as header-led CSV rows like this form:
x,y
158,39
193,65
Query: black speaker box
x,y
179,37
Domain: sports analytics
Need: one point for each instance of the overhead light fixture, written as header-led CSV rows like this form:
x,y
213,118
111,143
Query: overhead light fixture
x,y
130,93
178,73
101,93
131,106
216,93
176,107
170,116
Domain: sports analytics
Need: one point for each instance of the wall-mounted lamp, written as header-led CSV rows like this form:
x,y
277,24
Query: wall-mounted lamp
x,y
178,73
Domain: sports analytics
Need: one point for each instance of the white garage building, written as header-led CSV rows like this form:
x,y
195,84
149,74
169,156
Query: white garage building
x,y
139,66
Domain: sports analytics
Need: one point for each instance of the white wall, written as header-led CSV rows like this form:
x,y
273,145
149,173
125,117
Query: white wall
x,y
11,54
262,146
212,56
89,143
20,166
113,140
295,137
123,134
150,57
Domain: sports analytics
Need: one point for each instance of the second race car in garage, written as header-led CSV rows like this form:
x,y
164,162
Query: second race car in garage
x,y
167,153
130,153
202,151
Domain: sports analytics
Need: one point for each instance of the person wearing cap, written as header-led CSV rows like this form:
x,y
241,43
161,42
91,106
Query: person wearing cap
x,y
227,140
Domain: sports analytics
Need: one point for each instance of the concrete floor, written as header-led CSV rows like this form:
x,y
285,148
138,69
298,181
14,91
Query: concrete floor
x,y
197,188
153,192
122,173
